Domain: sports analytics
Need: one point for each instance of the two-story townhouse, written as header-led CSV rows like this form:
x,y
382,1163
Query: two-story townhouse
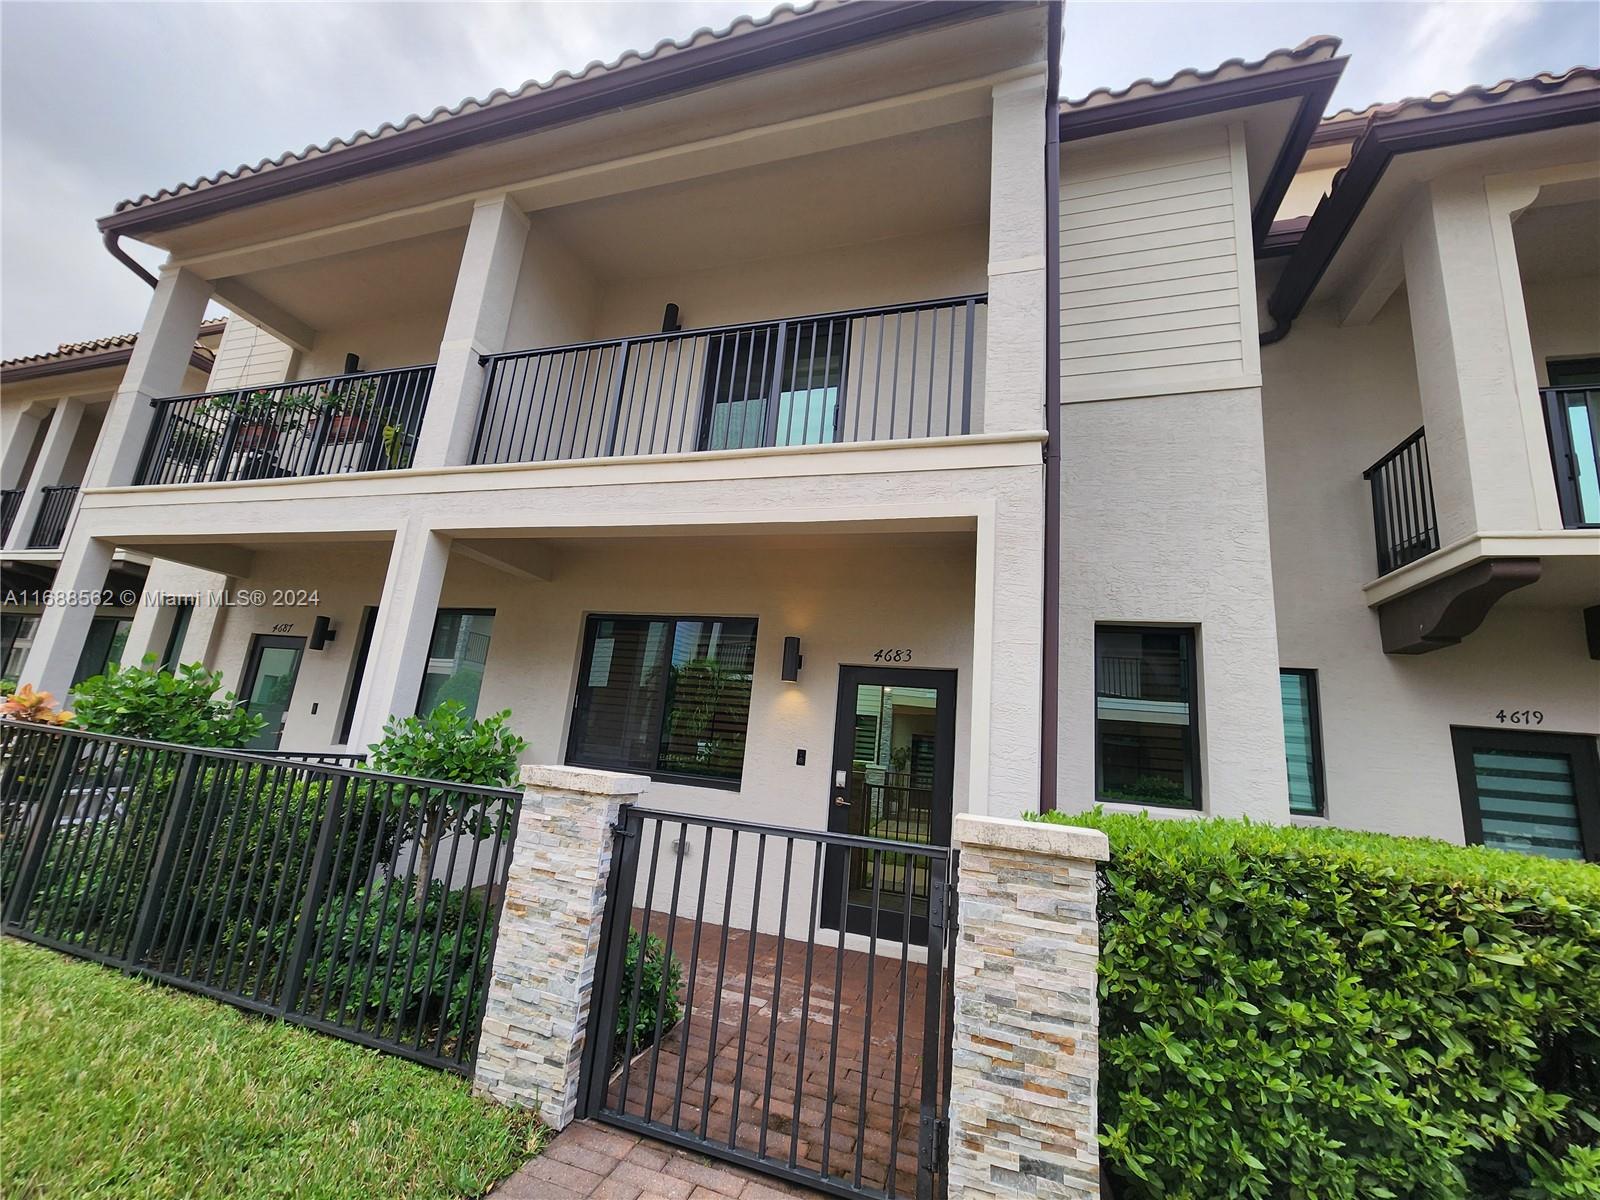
x,y
818,417
52,408
690,408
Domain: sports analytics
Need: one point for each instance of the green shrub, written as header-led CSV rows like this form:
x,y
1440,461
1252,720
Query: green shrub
x,y
159,706
448,745
656,964
1316,1013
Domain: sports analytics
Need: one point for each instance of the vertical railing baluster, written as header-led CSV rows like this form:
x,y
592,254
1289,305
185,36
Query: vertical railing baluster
x,y
619,367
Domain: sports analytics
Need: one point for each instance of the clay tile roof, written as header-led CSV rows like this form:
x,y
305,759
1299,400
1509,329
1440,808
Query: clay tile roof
x,y
783,14
1348,123
1319,47
67,351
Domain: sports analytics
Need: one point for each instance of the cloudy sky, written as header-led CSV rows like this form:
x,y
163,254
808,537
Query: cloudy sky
x,y
101,101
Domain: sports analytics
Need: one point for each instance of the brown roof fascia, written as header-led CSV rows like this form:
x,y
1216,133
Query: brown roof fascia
x,y
1336,215
1312,83
200,359
1282,237
779,45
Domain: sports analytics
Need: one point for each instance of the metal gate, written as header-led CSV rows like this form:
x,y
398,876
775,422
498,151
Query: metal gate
x,y
751,1031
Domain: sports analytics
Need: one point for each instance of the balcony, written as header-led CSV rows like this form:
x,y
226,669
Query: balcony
x,y
10,501
55,510
1404,519
337,425
861,375
1572,419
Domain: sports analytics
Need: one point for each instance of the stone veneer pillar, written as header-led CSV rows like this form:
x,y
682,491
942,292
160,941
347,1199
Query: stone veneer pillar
x,y
530,1051
1026,1060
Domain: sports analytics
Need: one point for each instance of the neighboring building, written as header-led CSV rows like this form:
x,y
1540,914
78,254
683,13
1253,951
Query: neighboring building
x,y
601,393
51,414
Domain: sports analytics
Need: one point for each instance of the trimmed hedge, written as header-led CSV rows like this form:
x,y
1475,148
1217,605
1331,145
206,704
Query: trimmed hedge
x,y
1316,1013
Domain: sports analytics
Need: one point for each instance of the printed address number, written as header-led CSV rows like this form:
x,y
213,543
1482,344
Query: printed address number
x,y
899,656
1523,716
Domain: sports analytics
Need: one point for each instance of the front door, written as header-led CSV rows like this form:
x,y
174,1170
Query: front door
x,y
268,684
1538,793
893,775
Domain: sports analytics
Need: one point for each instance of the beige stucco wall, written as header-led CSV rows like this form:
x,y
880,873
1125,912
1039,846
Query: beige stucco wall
x,y
1335,399
398,340
1563,319
1164,521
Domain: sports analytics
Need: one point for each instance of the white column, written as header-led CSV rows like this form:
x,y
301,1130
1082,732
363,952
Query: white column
x,y
1486,451
63,628
1008,635
18,429
47,468
400,638
156,368
1013,389
486,286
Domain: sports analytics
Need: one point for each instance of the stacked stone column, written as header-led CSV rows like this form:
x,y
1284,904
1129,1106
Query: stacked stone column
x,y
1026,1058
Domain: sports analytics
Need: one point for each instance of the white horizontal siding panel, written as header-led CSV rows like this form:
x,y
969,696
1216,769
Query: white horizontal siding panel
x,y
1151,282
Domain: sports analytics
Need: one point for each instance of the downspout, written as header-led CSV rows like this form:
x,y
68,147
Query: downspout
x,y
113,241
1050,676
1279,331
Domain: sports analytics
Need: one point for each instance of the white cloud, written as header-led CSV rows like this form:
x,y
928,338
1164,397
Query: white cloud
x,y
1448,44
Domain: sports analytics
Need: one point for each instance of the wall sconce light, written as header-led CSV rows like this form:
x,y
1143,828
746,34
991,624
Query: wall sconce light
x,y
791,659
322,632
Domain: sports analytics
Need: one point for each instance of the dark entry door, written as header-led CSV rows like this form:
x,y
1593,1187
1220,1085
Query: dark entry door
x,y
893,779
1538,793
267,686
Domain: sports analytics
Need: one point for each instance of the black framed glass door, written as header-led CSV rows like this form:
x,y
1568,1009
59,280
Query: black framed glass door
x,y
267,685
893,778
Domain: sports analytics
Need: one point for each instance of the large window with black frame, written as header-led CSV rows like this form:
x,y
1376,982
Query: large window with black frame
x,y
1146,744
667,697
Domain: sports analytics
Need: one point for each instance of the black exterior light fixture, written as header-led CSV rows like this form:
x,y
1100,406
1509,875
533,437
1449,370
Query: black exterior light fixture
x,y
791,659
322,632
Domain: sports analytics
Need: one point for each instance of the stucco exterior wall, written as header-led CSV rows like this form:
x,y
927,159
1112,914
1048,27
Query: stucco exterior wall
x,y
1563,319
396,340
1164,521
1334,400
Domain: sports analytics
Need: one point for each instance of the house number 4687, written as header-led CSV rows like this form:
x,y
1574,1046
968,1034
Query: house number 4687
x,y
1523,716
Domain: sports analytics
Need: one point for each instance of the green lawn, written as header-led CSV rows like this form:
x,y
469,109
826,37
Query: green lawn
x,y
114,1087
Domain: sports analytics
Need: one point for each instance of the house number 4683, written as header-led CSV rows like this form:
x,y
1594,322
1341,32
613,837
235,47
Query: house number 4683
x,y
1523,716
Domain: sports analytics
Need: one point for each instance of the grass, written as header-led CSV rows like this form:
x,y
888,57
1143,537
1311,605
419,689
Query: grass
x,y
110,1086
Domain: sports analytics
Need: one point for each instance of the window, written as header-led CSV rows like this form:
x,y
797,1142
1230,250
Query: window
x,y
665,696
1302,741
738,375
103,646
1537,793
456,657
1146,751
16,639
172,653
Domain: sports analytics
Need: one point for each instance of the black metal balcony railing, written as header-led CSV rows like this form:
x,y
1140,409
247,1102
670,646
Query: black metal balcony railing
x,y
334,426
10,501
1572,419
905,371
55,509
1403,515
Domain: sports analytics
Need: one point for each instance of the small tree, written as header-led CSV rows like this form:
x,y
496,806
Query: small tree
x,y
160,706
446,745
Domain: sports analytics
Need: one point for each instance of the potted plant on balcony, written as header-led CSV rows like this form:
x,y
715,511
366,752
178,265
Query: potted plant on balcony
x,y
348,409
264,414
188,446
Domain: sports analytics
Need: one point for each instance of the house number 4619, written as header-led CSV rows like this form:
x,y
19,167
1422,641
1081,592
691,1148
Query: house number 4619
x,y
1523,716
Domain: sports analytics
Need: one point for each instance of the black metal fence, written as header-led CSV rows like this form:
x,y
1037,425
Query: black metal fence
x,y
1572,419
344,423
1404,521
55,510
10,501
362,905
790,1011
905,371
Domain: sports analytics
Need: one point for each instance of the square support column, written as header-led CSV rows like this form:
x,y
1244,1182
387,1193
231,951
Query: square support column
x,y
1007,645
63,628
54,454
406,613
1026,1059
480,310
536,1019
1013,389
1480,405
18,430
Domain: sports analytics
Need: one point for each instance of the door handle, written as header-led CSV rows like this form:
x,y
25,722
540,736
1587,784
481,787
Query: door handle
x,y
841,802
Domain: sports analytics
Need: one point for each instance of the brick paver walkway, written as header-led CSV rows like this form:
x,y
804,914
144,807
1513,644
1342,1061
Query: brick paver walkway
x,y
589,1160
